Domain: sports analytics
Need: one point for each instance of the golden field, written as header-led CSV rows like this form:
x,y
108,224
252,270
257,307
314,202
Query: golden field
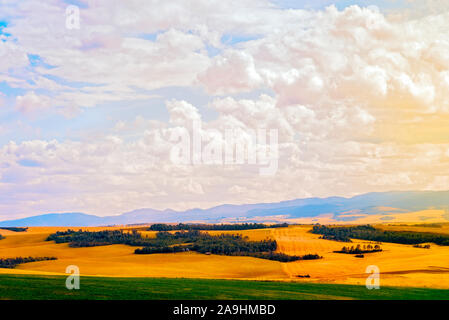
x,y
120,260
400,265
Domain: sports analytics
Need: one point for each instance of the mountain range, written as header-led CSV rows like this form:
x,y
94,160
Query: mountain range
x,y
369,203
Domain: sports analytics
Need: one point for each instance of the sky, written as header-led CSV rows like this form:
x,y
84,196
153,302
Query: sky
x,y
357,91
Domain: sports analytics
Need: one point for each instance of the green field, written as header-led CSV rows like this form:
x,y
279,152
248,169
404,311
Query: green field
x,y
18,287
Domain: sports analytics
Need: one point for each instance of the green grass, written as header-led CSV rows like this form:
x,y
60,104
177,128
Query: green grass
x,y
27,287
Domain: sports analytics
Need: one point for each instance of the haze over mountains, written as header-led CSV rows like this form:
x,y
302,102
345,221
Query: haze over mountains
x,y
338,207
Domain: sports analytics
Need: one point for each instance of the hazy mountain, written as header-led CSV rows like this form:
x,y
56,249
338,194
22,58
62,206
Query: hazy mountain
x,y
55,219
311,207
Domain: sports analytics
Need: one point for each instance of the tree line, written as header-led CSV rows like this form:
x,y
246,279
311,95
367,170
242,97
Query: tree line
x,y
359,249
224,244
11,263
368,232
210,227
180,241
98,238
15,229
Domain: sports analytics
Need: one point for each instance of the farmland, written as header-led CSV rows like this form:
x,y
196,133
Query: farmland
x,y
400,265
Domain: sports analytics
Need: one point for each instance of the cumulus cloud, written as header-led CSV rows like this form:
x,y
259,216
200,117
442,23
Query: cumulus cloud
x,y
359,99
234,71
355,54
86,175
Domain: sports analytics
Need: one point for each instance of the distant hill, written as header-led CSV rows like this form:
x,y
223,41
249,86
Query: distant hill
x,y
71,219
370,203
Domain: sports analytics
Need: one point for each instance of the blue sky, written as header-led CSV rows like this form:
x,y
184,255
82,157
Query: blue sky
x,y
357,96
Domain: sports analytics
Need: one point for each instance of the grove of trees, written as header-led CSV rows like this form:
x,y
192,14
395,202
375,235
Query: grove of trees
x,y
360,250
220,227
367,232
15,229
11,263
180,241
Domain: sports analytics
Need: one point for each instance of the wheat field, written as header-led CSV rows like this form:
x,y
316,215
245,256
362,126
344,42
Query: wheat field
x,y
400,265
120,260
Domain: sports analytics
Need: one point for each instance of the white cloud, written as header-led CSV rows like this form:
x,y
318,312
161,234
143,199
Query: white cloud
x,y
345,89
31,102
12,56
234,71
